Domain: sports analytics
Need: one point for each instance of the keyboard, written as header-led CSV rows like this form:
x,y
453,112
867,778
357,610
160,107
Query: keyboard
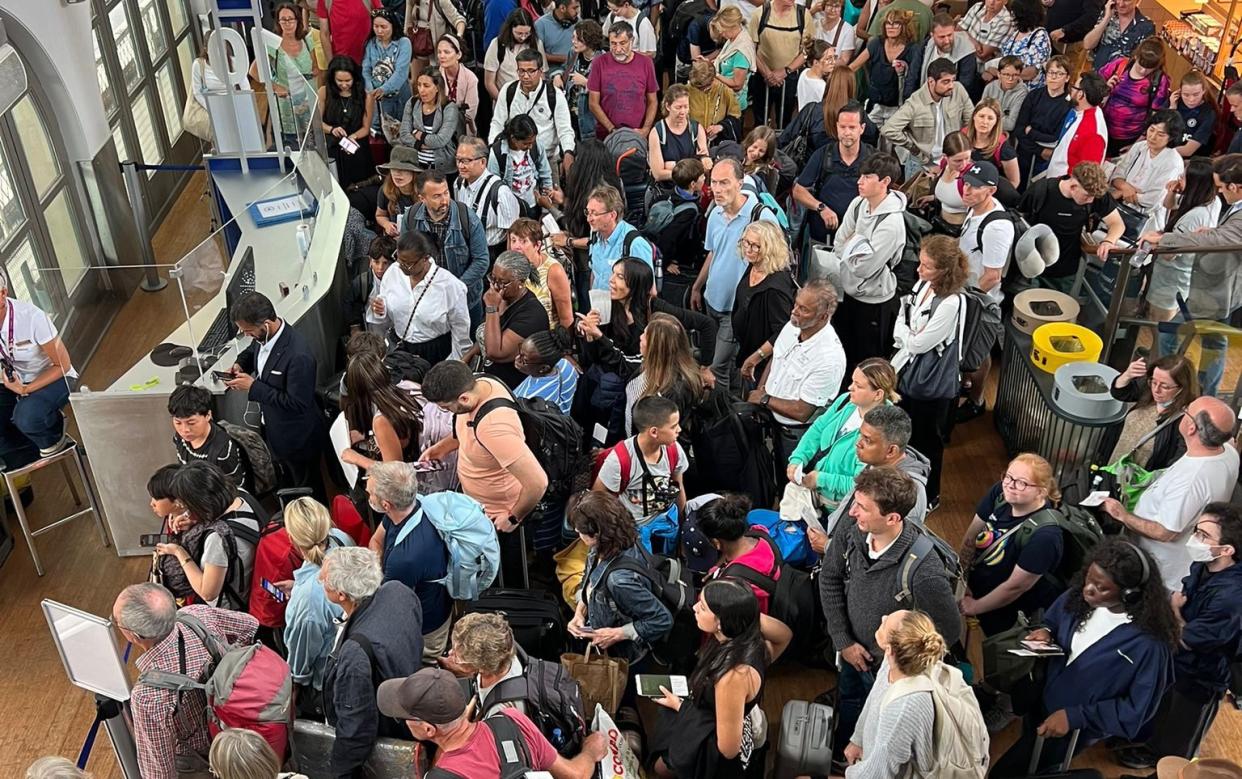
x,y
218,334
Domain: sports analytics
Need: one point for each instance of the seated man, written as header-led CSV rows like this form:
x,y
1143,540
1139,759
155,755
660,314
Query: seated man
x,y
198,437
170,727
434,708
1210,611
38,376
806,368
381,638
1167,509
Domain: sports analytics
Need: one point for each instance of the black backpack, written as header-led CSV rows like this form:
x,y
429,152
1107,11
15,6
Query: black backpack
x,y
676,32
553,701
981,330
732,445
791,595
926,545
549,93
512,753
673,584
555,438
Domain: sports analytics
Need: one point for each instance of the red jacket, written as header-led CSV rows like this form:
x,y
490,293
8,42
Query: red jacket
x,y
275,560
1090,139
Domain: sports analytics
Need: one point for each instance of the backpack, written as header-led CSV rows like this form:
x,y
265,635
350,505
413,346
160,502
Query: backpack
x,y
673,584
959,735
791,594
555,438
553,701
676,32
630,150
906,267
525,210
1080,533
246,686
489,196
262,467
981,329
512,753
549,93
662,214
926,545
766,200
1019,229
767,12
732,445
474,551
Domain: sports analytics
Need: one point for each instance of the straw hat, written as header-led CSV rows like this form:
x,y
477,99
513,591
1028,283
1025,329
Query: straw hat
x,y
1211,768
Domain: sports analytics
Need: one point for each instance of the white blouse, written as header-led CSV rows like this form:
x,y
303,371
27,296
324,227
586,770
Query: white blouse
x,y
443,309
918,329
1149,176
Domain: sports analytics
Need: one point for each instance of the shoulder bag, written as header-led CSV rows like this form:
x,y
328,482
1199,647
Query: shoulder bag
x,y
936,373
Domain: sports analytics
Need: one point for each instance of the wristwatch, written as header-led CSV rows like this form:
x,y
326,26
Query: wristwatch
x,y
820,208
514,521
763,401
491,309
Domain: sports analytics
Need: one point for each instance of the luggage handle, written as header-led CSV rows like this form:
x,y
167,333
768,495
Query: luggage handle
x,y
1037,752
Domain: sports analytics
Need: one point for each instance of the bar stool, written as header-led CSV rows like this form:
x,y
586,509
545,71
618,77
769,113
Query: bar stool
x,y
71,452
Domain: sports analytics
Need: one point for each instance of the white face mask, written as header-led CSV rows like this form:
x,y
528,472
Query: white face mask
x,y
1200,552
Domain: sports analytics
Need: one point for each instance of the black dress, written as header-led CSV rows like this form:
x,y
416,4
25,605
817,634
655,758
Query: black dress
x,y
348,114
686,740
759,312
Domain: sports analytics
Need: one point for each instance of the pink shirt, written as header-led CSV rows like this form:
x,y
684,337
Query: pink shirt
x,y
477,757
760,559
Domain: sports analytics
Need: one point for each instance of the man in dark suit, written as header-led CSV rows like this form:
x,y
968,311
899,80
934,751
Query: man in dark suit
x,y
277,371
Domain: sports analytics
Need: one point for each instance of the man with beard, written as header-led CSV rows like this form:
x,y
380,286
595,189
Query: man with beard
x,y
940,106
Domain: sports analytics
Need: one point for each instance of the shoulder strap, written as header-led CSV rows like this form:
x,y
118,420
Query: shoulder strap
x,y
802,20
628,242
502,157
488,406
364,644
660,131
750,576
763,19
511,748
987,220
918,551
623,462
247,534
508,691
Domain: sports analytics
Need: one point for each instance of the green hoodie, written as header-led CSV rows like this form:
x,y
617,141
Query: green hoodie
x,y
838,467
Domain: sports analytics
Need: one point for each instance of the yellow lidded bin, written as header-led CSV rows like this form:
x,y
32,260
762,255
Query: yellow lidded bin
x,y
1060,343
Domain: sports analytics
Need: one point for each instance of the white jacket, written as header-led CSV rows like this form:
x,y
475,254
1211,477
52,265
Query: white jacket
x,y
869,278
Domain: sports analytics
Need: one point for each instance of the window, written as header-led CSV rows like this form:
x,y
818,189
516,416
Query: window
x,y
24,274
43,166
12,214
177,15
101,75
153,26
65,241
170,102
125,50
144,126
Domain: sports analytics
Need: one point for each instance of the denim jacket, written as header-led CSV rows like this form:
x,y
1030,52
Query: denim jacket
x,y
465,250
626,601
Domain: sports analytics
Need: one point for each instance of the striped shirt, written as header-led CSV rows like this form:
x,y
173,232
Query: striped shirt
x,y
557,387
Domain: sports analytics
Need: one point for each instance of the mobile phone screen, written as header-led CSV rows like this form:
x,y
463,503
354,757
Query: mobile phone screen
x,y
149,540
649,685
273,590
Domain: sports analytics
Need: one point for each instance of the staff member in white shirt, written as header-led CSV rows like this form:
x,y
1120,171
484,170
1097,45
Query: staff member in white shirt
x,y
485,193
424,303
807,365
38,377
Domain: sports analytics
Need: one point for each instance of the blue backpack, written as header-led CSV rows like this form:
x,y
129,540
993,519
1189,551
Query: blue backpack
x,y
790,537
760,191
474,551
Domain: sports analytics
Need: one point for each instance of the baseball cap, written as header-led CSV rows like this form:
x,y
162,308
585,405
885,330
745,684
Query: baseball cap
x,y
981,174
431,695
1212,768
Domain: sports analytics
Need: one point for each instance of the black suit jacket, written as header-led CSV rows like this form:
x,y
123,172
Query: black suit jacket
x,y
285,392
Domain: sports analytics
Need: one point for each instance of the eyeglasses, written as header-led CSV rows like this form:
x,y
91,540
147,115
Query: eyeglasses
x,y
747,244
589,212
1160,385
467,160
1017,484
288,20
496,284
1057,73
1075,87
1009,75
528,71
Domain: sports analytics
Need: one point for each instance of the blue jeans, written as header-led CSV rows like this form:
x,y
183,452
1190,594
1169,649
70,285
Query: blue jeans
x,y
31,423
853,687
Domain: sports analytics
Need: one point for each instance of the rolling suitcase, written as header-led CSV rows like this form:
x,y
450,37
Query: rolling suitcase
x,y
805,745
534,616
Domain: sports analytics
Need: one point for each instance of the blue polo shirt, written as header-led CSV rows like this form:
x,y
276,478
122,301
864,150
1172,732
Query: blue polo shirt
x,y
605,253
416,560
723,233
557,39
838,183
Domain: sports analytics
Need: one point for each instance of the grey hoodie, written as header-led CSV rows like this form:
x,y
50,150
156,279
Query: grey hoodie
x,y
914,465
868,278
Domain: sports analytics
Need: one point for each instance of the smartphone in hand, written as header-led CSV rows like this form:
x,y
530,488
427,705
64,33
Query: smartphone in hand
x,y
149,540
276,593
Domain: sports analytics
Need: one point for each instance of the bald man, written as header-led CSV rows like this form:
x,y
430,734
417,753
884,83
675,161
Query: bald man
x,y
1165,514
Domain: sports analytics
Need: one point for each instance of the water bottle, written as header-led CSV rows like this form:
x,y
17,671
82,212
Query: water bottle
x,y
304,240
557,739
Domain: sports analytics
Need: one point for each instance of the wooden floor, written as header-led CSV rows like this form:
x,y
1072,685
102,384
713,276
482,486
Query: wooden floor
x,y
41,713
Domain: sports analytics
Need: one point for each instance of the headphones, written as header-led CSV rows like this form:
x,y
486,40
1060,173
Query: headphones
x,y
1131,596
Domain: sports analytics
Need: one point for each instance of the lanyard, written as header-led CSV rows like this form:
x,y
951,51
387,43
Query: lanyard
x,y
7,351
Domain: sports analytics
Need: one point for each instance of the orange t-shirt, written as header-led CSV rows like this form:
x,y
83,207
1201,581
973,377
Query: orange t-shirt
x,y
486,452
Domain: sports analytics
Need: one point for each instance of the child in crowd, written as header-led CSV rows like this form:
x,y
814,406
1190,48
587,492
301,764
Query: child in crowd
x,y
364,287
1008,89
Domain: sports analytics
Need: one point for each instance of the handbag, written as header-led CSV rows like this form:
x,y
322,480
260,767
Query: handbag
x,y
601,679
936,373
421,44
1126,479
195,120
570,568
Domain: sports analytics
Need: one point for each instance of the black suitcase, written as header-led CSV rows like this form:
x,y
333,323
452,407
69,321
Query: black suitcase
x,y
1063,771
535,617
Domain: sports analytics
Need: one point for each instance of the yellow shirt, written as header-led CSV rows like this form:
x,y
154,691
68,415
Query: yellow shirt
x,y
780,43
711,106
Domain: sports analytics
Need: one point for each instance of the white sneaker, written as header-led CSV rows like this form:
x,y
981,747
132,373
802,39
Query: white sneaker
x,y
64,443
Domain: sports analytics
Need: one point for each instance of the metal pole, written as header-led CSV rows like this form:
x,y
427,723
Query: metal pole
x,y
133,186
116,720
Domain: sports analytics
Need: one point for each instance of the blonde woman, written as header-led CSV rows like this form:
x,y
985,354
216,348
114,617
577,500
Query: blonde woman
x,y
238,753
736,59
1011,545
668,368
676,137
893,737
765,293
987,140
55,768
826,455
310,629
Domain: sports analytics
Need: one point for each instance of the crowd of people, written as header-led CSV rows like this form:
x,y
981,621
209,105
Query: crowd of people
x,y
591,340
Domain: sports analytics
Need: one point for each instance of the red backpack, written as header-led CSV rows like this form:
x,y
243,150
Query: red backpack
x,y
625,460
275,560
246,686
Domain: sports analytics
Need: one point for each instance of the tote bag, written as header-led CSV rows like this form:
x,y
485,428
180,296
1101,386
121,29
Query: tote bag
x,y
601,678
936,373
